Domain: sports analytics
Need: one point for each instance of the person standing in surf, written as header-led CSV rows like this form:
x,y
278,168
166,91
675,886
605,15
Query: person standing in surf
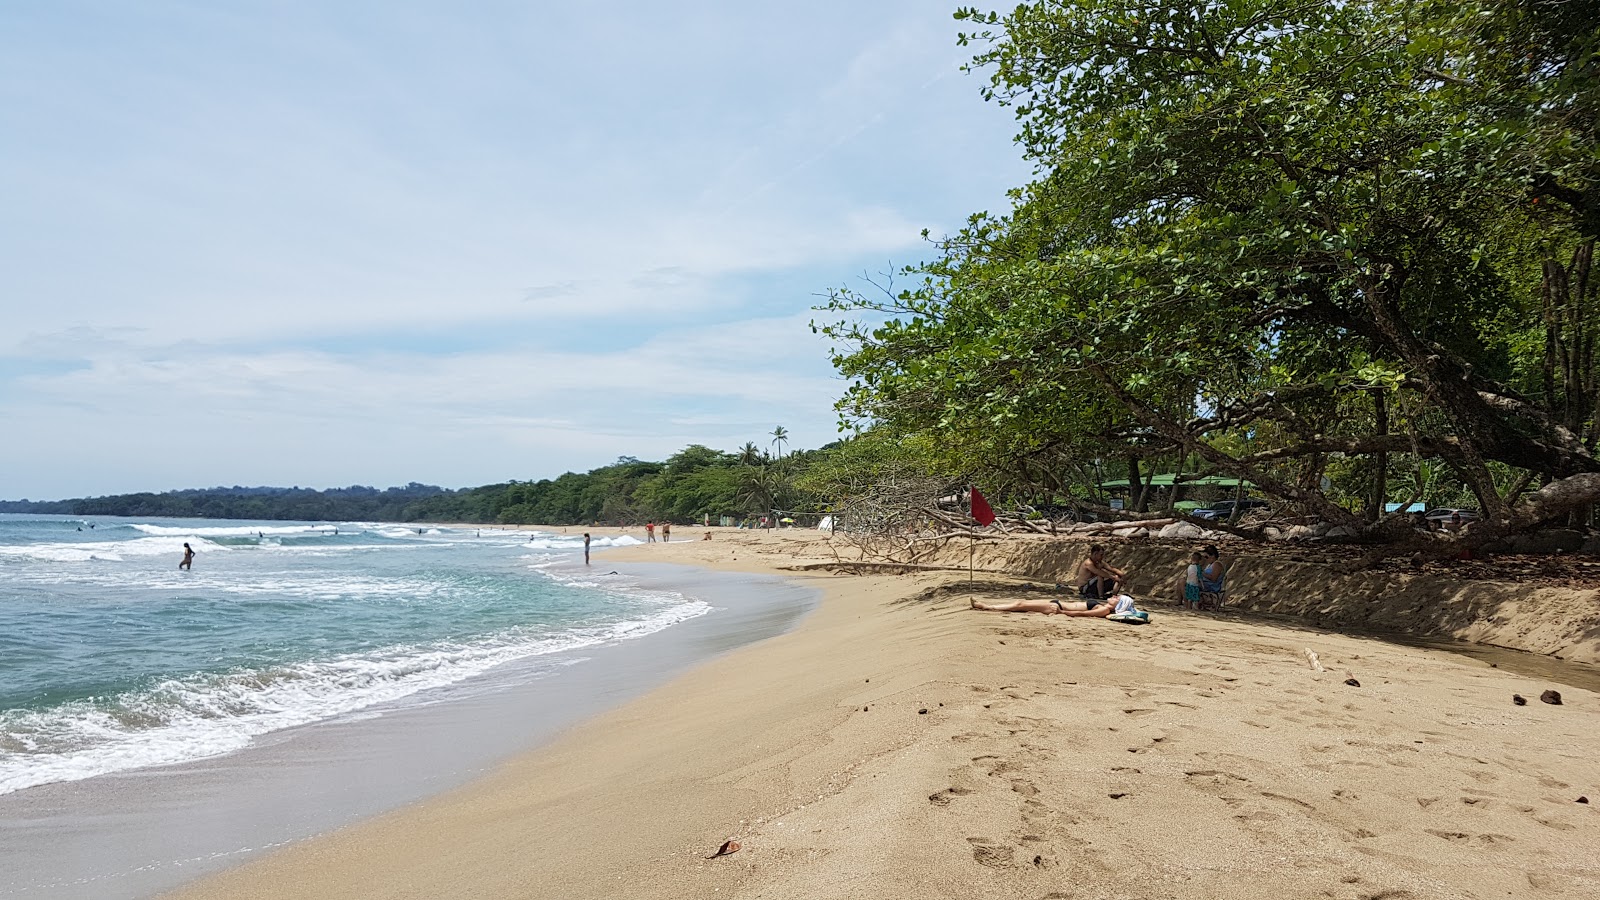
x,y
188,556
586,548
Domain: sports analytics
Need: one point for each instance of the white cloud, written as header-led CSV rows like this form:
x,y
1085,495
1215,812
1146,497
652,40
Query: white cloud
x,y
459,419
316,241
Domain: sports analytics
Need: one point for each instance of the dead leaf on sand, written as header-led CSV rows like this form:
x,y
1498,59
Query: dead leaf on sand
x,y
728,848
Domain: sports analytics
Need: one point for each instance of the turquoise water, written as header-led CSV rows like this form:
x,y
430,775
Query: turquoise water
x,y
111,658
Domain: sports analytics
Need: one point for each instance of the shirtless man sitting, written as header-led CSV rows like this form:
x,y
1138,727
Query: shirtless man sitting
x,y
1098,579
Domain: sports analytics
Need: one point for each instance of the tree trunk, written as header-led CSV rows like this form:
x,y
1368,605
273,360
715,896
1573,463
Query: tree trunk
x,y
1380,459
1135,485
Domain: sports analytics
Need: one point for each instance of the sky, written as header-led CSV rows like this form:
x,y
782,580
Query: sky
x,y
323,244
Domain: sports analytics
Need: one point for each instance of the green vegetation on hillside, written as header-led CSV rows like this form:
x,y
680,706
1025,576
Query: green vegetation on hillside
x,y
692,484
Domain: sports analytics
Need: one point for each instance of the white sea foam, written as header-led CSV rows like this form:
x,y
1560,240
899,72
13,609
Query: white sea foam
x,y
105,551
295,585
542,541
333,587
208,715
238,530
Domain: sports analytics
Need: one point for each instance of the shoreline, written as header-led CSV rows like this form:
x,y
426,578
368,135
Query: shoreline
x,y
896,744
138,832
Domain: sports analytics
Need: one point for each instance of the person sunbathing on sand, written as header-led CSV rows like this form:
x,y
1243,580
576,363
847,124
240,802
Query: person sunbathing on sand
x,y
1092,607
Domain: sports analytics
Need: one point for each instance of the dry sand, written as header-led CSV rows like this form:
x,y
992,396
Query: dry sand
x,y
898,744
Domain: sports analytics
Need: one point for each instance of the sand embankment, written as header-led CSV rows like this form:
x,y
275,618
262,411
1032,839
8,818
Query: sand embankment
x,y
898,744
1553,621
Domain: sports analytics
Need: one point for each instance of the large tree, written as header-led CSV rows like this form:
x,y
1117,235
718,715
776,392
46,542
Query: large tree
x,y
1274,237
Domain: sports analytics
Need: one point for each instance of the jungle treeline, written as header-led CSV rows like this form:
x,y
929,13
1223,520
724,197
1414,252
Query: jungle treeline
x,y
692,484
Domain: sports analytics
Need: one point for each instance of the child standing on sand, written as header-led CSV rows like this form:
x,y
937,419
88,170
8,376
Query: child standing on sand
x,y
1191,582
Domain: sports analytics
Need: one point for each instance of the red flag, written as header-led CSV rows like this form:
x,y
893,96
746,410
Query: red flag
x,y
981,513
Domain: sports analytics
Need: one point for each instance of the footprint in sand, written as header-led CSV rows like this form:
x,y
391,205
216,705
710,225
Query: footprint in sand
x,y
991,853
1551,822
1300,803
943,798
1460,837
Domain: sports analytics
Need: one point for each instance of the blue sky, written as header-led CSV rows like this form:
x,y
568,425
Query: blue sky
x,y
358,242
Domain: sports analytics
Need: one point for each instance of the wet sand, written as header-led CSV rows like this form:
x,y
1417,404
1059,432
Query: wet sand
x,y
898,744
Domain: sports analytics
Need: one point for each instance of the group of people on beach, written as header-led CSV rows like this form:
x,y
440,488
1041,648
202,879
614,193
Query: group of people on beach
x,y
1101,586
650,532
1203,583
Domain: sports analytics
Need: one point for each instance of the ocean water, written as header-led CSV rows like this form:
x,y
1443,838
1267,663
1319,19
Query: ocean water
x,y
112,659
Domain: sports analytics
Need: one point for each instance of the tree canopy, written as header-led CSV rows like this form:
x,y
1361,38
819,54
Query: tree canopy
x,y
1336,249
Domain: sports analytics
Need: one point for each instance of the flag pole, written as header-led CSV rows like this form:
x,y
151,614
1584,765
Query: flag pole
x,y
972,549
972,535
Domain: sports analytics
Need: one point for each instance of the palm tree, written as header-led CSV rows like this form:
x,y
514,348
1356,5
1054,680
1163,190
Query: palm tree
x,y
750,454
780,436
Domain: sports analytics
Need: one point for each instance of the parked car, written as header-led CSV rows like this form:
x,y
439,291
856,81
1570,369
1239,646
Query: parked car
x,y
1223,509
1441,517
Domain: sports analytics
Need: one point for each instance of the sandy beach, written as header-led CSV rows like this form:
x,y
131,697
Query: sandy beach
x,y
898,744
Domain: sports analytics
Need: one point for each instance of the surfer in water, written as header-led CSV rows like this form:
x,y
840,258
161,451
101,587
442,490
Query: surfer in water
x,y
188,557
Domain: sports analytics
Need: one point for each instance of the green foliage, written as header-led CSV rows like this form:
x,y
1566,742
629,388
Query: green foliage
x,y
1291,239
695,482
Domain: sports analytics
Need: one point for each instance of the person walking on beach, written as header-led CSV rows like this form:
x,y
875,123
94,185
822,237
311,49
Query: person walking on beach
x,y
650,532
666,532
585,548
188,557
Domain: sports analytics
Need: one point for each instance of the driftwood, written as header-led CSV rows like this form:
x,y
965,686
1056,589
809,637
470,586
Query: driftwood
x,y
861,566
